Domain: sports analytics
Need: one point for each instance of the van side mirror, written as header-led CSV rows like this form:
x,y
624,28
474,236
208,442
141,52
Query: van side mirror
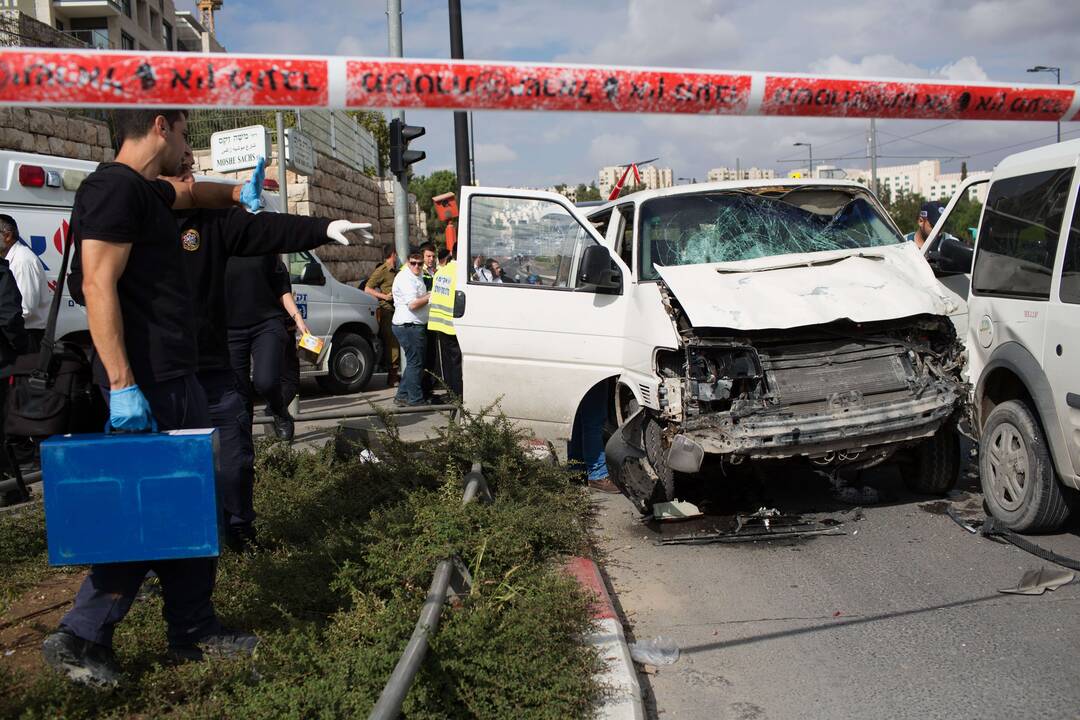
x,y
459,304
951,257
598,271
312,274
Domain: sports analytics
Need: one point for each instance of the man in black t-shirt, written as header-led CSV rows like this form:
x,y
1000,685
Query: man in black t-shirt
x,y
140,311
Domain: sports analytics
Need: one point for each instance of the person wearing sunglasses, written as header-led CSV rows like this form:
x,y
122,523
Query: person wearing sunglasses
x,y
410,325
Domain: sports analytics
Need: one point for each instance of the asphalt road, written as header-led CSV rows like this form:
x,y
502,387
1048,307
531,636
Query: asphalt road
x,y
899,618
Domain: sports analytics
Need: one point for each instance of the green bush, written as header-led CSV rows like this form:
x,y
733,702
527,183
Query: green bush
x,y
347,553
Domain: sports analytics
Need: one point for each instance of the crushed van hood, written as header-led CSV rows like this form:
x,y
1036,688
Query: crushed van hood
x,y
788,291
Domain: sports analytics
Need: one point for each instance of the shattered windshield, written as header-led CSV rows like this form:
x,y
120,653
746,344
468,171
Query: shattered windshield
x,y
727,226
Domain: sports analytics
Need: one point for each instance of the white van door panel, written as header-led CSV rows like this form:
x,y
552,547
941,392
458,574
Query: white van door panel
x,y
537,344
1061,357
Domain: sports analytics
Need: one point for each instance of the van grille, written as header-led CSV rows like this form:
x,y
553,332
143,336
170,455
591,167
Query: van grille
x,y
815,372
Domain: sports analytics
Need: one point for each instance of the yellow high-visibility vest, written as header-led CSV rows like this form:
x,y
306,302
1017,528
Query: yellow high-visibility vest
x,y
441,304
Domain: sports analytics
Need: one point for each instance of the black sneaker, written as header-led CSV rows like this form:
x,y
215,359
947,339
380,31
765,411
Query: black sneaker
x,y
81,661
241,539
227,643
284,427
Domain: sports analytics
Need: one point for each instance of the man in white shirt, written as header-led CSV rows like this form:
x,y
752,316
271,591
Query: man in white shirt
x,y
410,327
30,277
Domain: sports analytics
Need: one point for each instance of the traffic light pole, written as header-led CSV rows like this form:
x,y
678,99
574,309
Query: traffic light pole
x,y
461,119
401,182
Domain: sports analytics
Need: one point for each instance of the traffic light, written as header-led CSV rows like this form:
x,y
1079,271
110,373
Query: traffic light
x,y
401,157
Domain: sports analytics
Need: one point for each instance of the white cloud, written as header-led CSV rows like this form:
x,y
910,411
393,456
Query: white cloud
x,y
966,68
870,65
658,32
494,153
613,149
350,45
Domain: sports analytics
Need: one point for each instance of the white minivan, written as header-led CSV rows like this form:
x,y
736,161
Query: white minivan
x,y
727,323
38,192
1023,335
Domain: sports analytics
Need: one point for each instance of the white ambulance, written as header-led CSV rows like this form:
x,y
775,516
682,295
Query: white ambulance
x,y
38,192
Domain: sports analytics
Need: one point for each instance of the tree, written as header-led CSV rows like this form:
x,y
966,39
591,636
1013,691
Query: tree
x,y
590,192
425,187
904,210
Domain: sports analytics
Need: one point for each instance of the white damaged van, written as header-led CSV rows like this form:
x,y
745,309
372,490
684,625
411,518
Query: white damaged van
x,y
728,322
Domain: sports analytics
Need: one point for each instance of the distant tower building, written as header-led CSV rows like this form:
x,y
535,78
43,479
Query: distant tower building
x,y
207,8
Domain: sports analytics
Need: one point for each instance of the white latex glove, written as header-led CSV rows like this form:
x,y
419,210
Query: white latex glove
x,y
337,229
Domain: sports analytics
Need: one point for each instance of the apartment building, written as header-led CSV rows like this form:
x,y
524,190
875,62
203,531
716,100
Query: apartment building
x,y
121,24
652,177
721,174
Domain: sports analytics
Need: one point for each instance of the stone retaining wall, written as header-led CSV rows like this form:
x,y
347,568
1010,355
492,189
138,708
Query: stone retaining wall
x,y
51,132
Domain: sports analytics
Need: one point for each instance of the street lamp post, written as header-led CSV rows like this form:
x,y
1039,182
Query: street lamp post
x,y
810,149
1057,77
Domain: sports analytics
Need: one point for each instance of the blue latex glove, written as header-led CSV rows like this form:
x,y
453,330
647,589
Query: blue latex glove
x,y
251,193
129,411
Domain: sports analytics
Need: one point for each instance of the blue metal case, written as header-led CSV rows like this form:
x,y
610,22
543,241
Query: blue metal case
x,y
126,497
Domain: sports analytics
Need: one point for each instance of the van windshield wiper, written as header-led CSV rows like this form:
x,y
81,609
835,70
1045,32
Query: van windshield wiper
x,y
802,263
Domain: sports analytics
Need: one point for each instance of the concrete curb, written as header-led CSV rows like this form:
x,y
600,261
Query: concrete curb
x,y
625,701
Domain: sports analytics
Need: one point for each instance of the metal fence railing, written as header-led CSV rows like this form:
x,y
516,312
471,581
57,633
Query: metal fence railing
x,y
451,575
334,133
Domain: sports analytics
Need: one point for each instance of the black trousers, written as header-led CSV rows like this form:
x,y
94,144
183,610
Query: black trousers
x,y
109,590
450,363
236,449
290,365
33,340
255,355
432,371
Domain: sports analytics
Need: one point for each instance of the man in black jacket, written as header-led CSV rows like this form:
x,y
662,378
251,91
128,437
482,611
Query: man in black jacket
x,y
209,238
13,337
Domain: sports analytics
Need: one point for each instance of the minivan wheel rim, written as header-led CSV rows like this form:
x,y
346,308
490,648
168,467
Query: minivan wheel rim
x,y
348,365
1008,457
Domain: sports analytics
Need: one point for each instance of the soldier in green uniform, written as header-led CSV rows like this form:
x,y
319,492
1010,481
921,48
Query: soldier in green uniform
x,y
380,285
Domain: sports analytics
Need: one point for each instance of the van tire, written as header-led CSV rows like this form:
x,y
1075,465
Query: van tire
x,y
935,467
1013,450
351,363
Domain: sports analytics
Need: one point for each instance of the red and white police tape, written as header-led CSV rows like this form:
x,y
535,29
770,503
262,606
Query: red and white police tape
x,y
91,78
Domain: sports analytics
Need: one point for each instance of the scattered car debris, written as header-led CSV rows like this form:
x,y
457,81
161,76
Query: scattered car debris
x,y
762,518
767,524
990,528
675,510
861,495
1037,582
658,651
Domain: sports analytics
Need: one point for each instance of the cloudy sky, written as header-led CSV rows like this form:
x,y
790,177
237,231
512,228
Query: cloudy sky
x,y
954,39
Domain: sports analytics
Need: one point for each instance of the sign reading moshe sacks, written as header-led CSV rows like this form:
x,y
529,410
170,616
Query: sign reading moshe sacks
x,y
111,79
239,149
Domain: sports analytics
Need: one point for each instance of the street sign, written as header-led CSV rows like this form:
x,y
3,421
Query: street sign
x,y
299,152
239,149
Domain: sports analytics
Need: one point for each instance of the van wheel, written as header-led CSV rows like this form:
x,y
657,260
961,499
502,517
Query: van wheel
x,y
352,361
1017,475
935,468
